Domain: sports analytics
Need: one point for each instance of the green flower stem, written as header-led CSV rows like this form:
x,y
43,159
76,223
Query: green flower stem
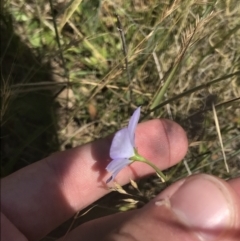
x,y
139,158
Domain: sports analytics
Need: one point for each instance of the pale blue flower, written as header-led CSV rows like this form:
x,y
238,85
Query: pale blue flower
x,y
123,146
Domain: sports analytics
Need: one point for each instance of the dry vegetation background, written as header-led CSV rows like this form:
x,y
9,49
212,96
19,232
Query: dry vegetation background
x,y
64,81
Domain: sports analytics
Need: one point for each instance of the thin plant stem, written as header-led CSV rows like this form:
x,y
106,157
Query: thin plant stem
x,y
139,158
125,53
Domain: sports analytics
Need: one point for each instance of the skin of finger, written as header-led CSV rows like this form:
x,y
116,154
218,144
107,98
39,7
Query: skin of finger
x,y
230,210
41,196
235,184
149,223
115,225
152,223
9,231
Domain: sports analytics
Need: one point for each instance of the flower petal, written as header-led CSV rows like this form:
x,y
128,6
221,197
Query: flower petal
x,y
133,124
121,145
115,166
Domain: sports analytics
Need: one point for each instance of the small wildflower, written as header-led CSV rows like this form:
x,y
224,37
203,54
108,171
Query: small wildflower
x,y
123,146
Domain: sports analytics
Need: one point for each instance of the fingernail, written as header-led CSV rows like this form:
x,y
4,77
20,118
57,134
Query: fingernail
x,y
204,204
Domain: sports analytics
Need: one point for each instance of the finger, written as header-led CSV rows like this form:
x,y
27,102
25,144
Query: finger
x,y
43,195
235,184
198,208
9,231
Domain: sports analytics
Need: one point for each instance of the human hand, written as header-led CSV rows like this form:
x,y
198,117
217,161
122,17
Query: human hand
x,y
40,197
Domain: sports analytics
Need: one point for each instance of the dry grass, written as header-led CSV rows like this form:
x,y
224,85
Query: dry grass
x,y
183,59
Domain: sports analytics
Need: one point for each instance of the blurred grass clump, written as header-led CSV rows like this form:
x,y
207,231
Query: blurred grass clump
x,y
64,80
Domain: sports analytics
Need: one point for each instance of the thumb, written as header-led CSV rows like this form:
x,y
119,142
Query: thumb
x,y
197,208
206,206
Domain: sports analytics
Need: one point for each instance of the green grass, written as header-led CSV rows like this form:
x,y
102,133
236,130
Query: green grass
x,y
65,83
